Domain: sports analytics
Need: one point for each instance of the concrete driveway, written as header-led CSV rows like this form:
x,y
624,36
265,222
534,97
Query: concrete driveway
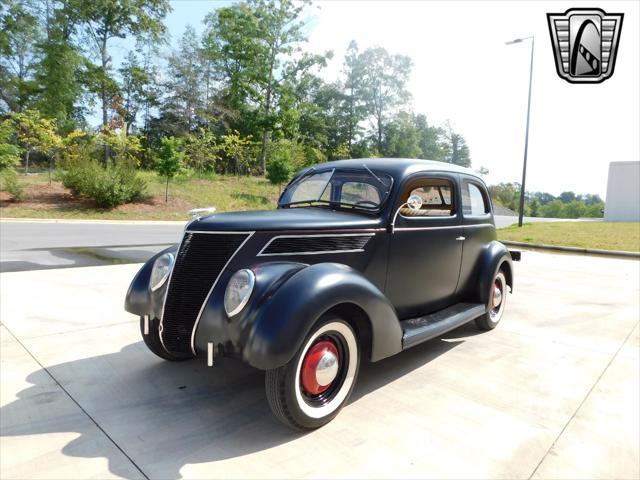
x,y
553,392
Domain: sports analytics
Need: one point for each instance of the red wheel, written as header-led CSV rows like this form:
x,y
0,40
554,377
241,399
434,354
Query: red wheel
x,y
311,389
497,301
319,367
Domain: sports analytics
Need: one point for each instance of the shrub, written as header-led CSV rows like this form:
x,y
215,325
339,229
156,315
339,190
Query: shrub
x,y
10,184
108,187
279,169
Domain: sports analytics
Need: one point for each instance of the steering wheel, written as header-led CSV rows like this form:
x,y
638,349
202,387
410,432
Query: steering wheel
x,y
366,202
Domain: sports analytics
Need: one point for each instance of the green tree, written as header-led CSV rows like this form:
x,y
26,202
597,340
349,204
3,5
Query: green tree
x,y
457,148
574,209
19,35
135,88
60,71
353,109
109,19
534,207
401,138
201,150
34,133
183,88
383,85
279,169
506,194
432,141
280,32
9,159
169,162
235,148
567,197
553,209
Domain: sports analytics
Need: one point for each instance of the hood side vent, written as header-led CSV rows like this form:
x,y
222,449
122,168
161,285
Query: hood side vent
x,y
316,244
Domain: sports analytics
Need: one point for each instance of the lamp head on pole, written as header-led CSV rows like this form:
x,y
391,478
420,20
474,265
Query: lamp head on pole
x,y
518,40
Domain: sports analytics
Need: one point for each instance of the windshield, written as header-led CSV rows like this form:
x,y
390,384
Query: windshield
x,y
353,189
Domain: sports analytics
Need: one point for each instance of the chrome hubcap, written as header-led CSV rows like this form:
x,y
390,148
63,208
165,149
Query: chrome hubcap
x,y
327,369
497,296
320,367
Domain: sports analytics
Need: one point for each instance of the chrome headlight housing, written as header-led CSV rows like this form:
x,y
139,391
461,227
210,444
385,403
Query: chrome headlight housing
x,y
161,270
238,291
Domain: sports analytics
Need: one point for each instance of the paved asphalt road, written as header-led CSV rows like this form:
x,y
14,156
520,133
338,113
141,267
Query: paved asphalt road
x,y
41,245
553,392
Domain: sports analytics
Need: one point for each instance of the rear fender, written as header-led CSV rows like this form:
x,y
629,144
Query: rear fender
x,y
494,257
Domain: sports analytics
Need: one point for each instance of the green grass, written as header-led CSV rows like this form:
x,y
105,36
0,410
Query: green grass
x,y
226,193
597,235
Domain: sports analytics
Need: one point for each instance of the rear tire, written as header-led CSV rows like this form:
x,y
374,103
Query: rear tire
x,y
153,343
497,302
310,390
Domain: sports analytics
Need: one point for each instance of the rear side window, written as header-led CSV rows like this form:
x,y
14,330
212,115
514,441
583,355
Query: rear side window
x,y
474,202
356,193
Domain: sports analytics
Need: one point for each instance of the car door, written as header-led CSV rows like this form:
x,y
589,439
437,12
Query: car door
x,y
479,230
425,248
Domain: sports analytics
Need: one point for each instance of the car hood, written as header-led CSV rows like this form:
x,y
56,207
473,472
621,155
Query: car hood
x,y
285,219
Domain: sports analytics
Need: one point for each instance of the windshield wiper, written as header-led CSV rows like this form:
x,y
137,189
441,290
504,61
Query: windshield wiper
x,y
374,175
301,177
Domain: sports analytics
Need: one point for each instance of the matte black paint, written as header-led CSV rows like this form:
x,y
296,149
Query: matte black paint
x,y
392,279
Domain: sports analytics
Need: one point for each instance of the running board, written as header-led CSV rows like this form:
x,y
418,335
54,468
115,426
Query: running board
x,y
421,329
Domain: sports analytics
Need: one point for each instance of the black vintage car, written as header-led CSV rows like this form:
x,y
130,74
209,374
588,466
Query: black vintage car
x,y
361,260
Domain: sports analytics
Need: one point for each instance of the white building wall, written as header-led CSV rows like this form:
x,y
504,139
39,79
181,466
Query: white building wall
x,y
623,192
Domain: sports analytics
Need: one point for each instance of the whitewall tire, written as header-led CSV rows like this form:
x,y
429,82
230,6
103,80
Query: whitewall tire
x,y
312,388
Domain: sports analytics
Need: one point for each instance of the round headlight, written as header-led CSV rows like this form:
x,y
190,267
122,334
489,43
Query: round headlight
x,y
161,269
238,291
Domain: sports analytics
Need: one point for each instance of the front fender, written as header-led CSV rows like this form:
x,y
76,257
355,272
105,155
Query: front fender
x,y
140,300
277,329
493,257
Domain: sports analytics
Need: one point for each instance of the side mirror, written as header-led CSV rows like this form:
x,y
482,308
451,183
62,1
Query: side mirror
x,y
414,203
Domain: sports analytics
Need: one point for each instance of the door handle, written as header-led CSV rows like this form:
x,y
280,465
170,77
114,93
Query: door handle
x,y
460,239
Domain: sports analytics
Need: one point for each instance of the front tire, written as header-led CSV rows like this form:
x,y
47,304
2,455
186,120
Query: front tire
x,y
497,302
310,390
151,339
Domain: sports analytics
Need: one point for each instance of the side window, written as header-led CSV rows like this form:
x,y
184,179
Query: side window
x,y
355,193
437,199
473,201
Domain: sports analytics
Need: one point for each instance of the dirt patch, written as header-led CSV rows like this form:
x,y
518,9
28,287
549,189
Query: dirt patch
x,y
156,204
56,197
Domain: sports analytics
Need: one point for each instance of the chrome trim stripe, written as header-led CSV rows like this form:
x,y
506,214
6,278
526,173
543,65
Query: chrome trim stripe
x,y
400,229
215,282
166,291
320,252
219,232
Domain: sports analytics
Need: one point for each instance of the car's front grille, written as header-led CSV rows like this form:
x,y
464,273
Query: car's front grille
x,y
311,244
200,260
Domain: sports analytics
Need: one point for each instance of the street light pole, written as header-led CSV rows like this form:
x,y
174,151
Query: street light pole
x,y
526,136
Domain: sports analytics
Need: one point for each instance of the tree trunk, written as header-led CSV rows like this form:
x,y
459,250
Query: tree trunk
x,y
267,110
103,95
166,192
263,151
26,161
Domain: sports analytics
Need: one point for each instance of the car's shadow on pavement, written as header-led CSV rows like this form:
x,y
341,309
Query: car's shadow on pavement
x,y
165,415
